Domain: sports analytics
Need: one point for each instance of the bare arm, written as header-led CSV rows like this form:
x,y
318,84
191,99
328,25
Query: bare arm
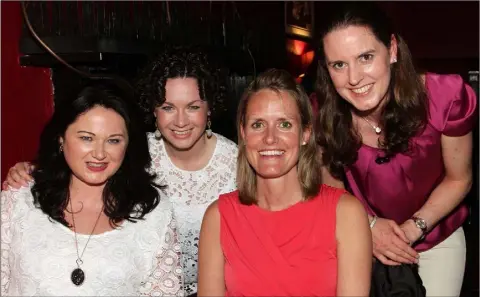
x,y
457,158
211,281
354,248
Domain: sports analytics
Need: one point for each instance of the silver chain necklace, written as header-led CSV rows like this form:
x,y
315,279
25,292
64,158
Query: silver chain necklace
x,y
78,275
377,129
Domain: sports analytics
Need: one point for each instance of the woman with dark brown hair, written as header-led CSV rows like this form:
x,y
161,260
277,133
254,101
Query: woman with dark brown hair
x,y
402,139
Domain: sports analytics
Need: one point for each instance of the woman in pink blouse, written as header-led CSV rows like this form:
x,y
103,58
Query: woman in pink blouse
x,y
402,139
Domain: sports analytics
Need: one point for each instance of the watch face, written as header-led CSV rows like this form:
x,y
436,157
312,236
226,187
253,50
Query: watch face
x,y
421,224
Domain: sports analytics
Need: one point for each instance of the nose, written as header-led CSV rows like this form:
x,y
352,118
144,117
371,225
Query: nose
x,y
270,136
355,75
99,151
181,119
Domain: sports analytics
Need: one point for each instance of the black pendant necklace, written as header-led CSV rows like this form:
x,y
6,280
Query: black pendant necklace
x,y
78,275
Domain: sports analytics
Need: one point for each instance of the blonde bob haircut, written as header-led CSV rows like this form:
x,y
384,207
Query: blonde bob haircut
x,y
308,166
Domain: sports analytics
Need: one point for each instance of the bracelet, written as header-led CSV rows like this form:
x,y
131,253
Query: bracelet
x,y
372,223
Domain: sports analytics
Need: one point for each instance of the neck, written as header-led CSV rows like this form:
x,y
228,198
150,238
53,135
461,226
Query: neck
x,y
84,195
279,193
185,158
373,115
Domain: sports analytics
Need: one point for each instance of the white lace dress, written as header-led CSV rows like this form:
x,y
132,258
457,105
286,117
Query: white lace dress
x,y
38,255
191,192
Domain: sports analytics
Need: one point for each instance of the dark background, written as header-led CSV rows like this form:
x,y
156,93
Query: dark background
x,y
243,37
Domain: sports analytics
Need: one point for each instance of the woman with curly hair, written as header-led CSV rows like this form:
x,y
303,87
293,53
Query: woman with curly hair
x,y
402,139
93,222
179,91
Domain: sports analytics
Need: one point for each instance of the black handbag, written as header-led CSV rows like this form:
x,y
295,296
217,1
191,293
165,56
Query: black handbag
x,y
396,281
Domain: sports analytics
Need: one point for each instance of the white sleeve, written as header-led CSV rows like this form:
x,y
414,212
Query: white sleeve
x,y
7,199
167,276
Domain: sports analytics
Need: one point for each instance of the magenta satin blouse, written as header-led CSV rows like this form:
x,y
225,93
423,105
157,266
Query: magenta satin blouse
x,y
397,189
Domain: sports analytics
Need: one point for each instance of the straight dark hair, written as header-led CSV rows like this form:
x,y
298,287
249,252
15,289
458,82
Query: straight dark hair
x,y
130,193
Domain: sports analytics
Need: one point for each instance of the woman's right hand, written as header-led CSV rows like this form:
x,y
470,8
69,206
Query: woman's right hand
x,y
390,245
18,176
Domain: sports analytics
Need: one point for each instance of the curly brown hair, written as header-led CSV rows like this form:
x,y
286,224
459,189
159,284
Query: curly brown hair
x,y
406,110
179,62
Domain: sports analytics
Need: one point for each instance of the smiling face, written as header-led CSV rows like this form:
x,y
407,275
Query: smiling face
x,y
359,66
182,118
272,133
94,145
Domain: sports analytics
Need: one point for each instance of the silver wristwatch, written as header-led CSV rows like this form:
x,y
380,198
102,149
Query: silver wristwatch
x,y
422,225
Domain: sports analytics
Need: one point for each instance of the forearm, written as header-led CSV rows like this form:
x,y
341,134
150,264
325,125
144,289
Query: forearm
x,y
444,198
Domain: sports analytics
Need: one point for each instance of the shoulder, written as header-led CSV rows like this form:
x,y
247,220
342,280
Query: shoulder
x,y
352,219
452,103
330,194
340,202
14,198
226,145
159,162
349,206
23,194
444,85
212,215
225,206
228,200
162,214
226,154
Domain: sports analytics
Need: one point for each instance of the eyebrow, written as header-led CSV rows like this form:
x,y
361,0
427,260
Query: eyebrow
x,y
93,134
370,51
259,118
190,103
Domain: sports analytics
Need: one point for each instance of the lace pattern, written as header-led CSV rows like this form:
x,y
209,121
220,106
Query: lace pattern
x,y
38,255
191,192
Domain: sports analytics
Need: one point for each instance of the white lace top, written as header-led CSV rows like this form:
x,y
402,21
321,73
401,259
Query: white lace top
x,y
38,255
191,192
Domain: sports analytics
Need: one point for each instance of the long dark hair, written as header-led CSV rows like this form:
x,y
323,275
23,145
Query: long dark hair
x,y
179,62
406,111
130,193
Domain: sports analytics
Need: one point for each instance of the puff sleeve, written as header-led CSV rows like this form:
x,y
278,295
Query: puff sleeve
x,y
462,110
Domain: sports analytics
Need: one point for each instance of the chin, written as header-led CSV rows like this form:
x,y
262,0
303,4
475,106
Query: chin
x,y
95,182
365,106
270,174
184,144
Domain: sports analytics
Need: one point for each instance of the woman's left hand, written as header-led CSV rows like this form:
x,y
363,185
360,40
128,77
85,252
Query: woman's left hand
x,y
412,232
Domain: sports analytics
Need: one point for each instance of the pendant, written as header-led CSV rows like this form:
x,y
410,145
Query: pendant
x,y
378,130
78,276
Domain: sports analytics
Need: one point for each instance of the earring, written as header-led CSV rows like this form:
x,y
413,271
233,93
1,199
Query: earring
x,y
304,143
394,60
158,134
61,147
209,126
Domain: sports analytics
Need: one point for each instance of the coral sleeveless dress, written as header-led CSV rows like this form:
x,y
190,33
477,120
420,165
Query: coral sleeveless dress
x,y
292,252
